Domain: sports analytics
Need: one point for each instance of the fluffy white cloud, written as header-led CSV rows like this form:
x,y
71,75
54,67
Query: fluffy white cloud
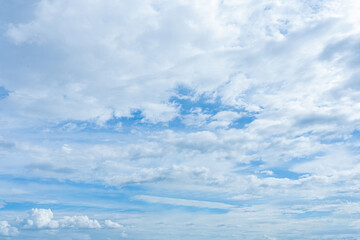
x,y
41,218
79,222
285,70
131,56
7,230
44,218
209,47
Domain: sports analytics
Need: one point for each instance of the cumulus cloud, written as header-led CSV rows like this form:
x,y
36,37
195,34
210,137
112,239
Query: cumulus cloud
x,y
44,218
78,222
7,230
41,218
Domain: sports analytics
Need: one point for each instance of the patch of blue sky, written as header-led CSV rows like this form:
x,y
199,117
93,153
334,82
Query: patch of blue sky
x,y
88,187
92,205
18,11
282,171
20,206
242,122
355,135
3,92
26,206
298,160
285,173
70,191
98,197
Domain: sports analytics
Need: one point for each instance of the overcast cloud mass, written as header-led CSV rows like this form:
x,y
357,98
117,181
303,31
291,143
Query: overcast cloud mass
x,y
181,119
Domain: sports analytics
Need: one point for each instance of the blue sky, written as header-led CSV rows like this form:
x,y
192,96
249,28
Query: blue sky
x,y
151,119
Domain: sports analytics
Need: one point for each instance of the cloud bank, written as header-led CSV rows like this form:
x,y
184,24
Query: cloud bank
x,y
209,112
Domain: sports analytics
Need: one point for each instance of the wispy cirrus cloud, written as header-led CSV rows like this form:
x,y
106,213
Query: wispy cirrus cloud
x,y
183,202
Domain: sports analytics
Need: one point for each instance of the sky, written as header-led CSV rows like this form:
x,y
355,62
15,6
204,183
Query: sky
x,y
181,119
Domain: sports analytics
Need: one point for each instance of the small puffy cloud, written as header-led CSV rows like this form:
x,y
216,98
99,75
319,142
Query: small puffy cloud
x,y
266,172
41,218
111,224
79,222
7,230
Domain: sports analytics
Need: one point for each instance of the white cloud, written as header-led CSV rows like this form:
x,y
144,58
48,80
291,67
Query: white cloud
x,y
44,218
266,172
245,197
224,118
78,222
7,230
334,162
203,46
196,118
111,224
291,65
66,148
41,218
103,37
